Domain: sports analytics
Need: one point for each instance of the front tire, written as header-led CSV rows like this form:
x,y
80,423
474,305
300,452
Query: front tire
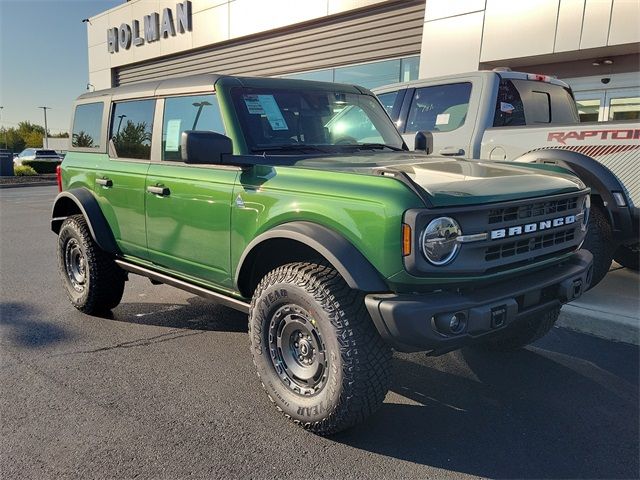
x,y
524,333
599,241
628,256
316,350
92,280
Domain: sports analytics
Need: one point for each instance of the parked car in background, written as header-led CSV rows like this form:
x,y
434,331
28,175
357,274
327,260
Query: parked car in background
x,y
531,118
37,154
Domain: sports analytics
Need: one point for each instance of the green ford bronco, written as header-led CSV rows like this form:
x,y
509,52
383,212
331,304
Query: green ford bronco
x,y
299,203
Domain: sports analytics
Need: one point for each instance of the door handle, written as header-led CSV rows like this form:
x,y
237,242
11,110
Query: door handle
x,y
104,182
451,151
159,190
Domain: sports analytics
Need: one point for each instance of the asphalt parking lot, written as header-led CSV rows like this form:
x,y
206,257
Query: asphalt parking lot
x,y
165,388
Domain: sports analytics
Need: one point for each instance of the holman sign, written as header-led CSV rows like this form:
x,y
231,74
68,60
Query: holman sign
x,y
155,28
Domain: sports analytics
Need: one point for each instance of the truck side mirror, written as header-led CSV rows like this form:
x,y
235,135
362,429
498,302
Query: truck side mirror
x,y
204,147
424,142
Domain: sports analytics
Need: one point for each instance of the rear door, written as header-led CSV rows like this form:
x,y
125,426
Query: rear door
x,y
120,178
188,207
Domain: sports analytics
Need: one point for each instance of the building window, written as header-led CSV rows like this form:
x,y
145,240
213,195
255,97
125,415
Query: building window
x,y
196,112
368,75
87,125
588,110
131,127
441,108
624,108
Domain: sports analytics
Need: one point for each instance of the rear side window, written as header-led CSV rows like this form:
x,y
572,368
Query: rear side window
x,y
199,112
528,102
87,125
131,127
441,108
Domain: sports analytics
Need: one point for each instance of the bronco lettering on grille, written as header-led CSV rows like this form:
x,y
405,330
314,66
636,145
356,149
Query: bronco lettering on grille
x,y
532,227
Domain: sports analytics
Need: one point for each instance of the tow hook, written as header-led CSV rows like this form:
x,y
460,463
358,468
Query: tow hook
x,y
572,289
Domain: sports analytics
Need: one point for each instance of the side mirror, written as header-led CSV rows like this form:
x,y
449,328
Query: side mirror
x,y
424,142
204,147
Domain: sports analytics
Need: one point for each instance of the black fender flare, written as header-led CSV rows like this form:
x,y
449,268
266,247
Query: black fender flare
x,y
595,176
352,265
84,201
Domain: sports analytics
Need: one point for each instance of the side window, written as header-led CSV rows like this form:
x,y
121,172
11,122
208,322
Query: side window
x,y
388,100
131,127
441,108
200,112
509,106
87,125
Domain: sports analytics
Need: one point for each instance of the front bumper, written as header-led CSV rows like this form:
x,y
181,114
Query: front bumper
x,y
415,322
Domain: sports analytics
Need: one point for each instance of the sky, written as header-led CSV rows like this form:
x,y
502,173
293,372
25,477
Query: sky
x,y
43,58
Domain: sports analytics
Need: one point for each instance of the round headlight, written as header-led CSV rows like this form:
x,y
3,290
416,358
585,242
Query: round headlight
x,y
439,240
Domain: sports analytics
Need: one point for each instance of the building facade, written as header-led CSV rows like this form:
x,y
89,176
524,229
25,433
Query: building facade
x,y
592,44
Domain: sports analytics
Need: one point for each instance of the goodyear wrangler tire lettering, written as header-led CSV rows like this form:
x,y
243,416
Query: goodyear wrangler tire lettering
x,y
316,350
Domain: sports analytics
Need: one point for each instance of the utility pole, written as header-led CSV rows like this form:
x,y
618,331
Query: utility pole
x,y
121,117
46,133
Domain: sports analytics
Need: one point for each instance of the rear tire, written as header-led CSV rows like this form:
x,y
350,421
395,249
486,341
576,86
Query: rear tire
x,y
523,333
628,256
316,350
599,241
92,280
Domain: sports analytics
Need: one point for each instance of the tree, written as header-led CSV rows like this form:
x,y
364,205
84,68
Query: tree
x,y
133,141
82,139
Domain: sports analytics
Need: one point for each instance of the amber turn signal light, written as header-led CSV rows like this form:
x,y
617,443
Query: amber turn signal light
x,y
406,240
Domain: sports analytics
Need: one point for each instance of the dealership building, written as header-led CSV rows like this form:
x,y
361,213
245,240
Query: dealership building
x,y
594,45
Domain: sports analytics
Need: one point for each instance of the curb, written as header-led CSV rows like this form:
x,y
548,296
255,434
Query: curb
x,y
33,184
619,328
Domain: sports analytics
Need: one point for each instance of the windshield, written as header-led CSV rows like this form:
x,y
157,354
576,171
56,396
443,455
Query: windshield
x,y
285,120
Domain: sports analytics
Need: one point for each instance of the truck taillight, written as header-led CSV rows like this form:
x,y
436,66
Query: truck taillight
x,y
539,78
59,178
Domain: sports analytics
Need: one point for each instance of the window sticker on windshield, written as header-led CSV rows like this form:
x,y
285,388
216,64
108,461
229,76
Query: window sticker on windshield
x,y
273,113
506,107
442,119
172,142
253,104
266,105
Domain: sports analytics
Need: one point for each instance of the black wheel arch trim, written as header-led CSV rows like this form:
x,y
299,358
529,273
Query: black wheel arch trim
x,y
88,205
597,177
352,265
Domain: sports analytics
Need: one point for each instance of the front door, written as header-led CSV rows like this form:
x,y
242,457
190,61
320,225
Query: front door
x,y
188,213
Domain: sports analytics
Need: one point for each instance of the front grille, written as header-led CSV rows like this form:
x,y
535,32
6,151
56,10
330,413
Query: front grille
x,y
508,214
532,244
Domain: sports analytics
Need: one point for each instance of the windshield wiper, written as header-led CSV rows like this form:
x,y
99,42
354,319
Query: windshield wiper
x,y
372,146
292,147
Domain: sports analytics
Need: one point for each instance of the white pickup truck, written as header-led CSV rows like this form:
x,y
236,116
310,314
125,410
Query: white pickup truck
x,y
514,116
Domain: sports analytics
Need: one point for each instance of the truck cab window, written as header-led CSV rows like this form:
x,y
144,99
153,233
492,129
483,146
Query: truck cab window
x,y
509,106
441,108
